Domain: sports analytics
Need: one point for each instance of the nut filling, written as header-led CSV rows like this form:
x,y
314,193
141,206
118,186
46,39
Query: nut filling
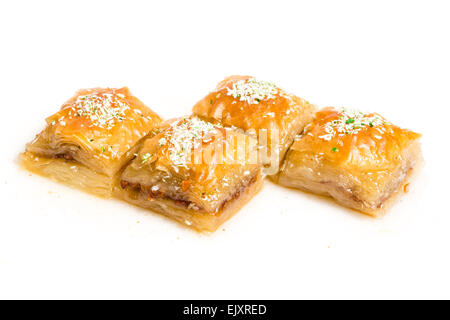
x,y
151,194
379,204
65,156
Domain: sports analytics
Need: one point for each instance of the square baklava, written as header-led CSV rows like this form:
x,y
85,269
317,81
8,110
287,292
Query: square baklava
x,y
359,159
260,108
87,142
194,172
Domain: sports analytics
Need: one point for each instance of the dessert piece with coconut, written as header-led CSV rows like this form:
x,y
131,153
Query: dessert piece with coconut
x,y
90,139
194,172
359,159
261,108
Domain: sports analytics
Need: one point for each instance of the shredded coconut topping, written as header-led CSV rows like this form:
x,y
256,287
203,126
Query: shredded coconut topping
x,y
351,122
185,136
103,109
253,91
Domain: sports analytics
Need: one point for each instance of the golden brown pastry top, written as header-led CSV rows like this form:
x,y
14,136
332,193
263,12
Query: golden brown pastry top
x,y
355,139
102,124
248,103
195,161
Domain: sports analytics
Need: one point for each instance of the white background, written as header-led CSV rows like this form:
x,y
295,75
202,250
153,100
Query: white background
x,y
387,56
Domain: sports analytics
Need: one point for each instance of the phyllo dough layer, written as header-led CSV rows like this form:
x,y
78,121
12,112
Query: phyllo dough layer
x,y
193,171
262,108
96,132
359,159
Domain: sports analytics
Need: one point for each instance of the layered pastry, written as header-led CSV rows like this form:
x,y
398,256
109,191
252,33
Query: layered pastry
x,y
359,159
260,108
87,142
194,172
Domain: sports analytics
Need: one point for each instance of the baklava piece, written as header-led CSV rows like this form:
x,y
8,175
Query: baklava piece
x,y
359,159
90,139
261,108
194,172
